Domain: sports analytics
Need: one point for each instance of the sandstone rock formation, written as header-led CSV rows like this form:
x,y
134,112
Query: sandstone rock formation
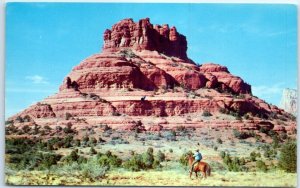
x,y
289,101
140,60
144,36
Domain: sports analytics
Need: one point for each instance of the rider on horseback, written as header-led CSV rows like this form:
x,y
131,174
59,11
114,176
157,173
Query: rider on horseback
x,y
198,158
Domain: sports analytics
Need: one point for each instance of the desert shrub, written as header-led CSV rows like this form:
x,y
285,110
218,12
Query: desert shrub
x,y
242,161
219,141
142,161
275,141
246,116
242,135
9,122
235,164
109,160
67,141
183,158
76,142
116,113
234,114
104,127
160,156
11,129
27,118
19,119
47,128
92,141
29,154
68,116
93,151
254,155
153,137
128,54
222,154
85,139
92,170
148,158
26,128
223,111
263,130
283,136
46,160
260,165
269,152
288,157
100,140
72,157
68,129
206,113
170,135
135,163
215,148
58,128
181,129
18,145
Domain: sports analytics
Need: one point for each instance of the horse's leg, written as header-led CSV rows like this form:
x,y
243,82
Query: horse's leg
x,y
196,174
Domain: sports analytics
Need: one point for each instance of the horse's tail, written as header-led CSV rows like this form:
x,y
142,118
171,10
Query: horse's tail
x,y
208,170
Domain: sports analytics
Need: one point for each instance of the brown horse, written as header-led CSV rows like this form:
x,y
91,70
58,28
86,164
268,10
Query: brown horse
x,y
199,167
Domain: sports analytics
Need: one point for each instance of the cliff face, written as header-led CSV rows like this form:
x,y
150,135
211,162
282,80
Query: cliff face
x,y
289,101
141,60
144,36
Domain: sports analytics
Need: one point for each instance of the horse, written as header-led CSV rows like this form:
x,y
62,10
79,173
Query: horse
x,y
199,167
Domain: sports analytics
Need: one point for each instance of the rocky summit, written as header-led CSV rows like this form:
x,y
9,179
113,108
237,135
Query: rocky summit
x,y
143,78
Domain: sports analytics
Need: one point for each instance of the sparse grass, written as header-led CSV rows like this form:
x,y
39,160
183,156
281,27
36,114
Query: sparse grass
x,y
158,178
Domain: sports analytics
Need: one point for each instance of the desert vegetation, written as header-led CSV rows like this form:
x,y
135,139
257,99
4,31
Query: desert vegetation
x,y
94,158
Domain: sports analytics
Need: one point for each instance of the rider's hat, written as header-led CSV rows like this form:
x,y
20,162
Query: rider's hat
x,y
197,150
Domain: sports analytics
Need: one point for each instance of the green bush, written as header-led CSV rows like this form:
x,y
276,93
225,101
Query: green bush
x,y
68,116
67,141
234,164
109,160
160,156
222,154
68,129
72,157
26,129
242,135
288,157
135,163
183,158
93,151
92,170
260,165
219,141
206,113
142,161
253,156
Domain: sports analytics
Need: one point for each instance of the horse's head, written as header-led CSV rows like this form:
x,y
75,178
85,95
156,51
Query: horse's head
x,y
189,156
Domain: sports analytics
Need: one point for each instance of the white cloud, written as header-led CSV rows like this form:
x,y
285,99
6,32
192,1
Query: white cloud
x,y
36,79
270,93
268,90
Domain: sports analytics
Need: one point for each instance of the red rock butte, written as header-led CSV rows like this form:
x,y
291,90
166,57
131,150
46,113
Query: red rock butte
x,y
144,36
143,73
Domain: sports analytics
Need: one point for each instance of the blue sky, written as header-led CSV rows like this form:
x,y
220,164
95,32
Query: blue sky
x,y
45,40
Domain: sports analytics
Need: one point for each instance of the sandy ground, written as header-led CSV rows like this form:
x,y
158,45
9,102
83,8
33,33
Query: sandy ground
x,y
161,178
